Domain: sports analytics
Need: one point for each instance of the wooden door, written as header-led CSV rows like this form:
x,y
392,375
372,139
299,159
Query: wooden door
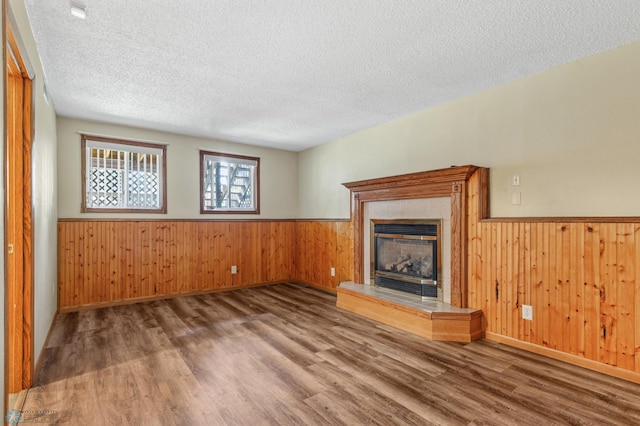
x,y
18,220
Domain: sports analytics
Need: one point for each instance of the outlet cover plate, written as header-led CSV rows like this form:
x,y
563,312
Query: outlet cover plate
x,y
527,312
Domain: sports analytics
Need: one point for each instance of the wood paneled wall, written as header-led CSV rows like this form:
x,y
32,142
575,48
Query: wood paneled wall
x,y
102,262
320,246
109,262
580,277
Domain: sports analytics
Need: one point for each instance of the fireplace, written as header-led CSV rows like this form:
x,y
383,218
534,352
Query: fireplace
x,y
405,256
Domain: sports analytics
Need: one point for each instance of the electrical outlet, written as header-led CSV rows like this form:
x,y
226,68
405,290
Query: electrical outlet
x,y
527,312
333,272
234,269
515,180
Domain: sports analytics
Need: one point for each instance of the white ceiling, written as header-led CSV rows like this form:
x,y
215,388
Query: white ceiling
x,y
293,74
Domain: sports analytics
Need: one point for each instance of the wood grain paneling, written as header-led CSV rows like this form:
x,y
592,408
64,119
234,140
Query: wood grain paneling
x,y
109,262
320,246
580,278
105,262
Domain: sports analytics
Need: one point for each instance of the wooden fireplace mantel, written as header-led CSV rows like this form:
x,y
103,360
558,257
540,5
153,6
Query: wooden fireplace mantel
x,y
451,182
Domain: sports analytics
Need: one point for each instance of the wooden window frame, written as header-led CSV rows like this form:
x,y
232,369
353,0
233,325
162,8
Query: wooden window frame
x,y
256,183
126,143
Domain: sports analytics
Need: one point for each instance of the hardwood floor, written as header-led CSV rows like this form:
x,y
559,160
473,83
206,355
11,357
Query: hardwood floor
x,y
285,355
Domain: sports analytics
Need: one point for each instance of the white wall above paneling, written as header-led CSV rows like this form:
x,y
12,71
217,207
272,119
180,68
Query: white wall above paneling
x,y
570,133
278,172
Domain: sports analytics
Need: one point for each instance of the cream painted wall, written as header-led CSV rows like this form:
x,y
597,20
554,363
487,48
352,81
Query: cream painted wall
x,y
44,188
278,170
572,134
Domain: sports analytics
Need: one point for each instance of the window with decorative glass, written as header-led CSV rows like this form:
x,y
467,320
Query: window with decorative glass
x,y
123,176
229,183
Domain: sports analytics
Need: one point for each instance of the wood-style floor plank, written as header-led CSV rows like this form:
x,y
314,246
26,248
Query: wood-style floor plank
x,y
285,355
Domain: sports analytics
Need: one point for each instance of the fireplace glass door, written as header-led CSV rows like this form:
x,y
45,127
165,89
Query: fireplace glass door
x,y
409,257
405,256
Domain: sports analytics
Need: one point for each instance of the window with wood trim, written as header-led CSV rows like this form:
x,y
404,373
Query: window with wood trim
x,y
123,176
229,183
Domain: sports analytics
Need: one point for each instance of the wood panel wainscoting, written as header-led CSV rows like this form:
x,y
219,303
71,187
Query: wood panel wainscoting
x,y
580,275
110,262
320,246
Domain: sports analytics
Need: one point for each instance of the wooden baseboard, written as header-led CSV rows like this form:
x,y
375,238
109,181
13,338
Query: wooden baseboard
x,y
161,297
609,370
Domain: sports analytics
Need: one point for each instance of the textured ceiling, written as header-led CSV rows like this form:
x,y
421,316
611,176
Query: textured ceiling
x,y
293,74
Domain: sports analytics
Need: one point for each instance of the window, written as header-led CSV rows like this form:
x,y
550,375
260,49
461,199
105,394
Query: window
x,y
229,183
121,176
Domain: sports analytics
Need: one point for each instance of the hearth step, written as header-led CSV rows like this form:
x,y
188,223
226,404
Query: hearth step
x,y
427,318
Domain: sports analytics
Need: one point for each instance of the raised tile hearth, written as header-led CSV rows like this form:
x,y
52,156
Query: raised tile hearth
x,y
427,318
